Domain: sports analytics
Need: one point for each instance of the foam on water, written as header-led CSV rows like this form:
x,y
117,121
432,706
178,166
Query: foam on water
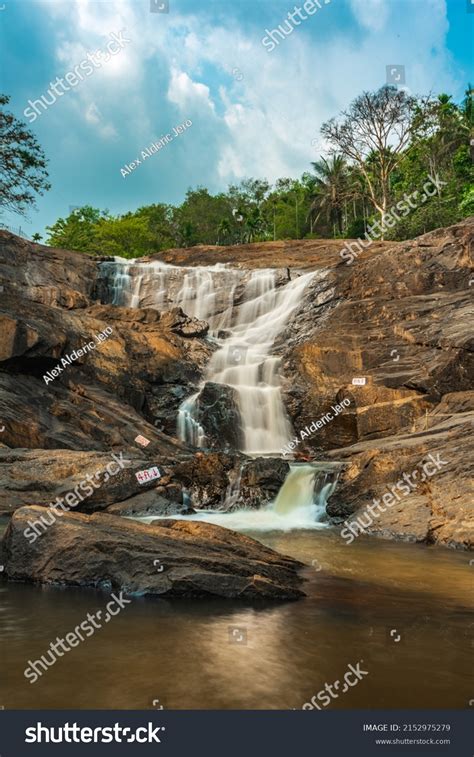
x,y
265,519
297,506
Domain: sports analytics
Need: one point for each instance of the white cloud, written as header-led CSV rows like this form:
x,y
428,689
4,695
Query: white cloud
x,y
372,14
185,92
265,123
94,116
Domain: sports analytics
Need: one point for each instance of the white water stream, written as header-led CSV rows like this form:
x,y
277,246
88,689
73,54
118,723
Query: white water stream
x,y
246,311
243,362
296,506
244,328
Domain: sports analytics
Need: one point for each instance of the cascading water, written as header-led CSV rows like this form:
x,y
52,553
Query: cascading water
x,y
243,361
300,504
244,328
297,491
246,312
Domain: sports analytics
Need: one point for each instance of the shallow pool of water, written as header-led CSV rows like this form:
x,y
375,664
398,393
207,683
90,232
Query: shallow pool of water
x,y
404,609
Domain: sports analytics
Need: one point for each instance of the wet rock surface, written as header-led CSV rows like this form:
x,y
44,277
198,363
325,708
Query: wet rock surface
x,y
148,504
399,320
425,475
398,317
169,559
260,481
218,414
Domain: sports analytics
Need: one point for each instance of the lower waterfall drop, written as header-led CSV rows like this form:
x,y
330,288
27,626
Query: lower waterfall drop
x,y
300,503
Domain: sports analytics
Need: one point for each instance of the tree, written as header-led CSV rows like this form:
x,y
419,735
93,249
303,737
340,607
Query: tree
x,y
224,231
440,147
253,225
330,190
159,218
78,231
197,220
468,106
287,207
37,237
128,236
440,129
256,190
377,127
384,147
23,171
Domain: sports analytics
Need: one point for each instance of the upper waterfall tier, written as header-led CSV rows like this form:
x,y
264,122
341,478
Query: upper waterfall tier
x,y
246,311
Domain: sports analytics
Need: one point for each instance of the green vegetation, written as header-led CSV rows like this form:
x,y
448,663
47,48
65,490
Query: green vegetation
x,y
385,145
23,171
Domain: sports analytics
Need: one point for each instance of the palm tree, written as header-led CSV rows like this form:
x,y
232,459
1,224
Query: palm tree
x,y
330,190
36,237
253,225
224,231
467,106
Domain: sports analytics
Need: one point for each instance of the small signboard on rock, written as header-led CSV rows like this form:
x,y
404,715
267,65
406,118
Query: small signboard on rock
x,y
144,476
142,440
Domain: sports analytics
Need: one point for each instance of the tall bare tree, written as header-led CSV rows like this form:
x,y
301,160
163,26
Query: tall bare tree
x,y
373,133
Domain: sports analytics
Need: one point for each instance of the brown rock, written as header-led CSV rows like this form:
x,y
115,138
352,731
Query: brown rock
x,y
147,504
108,552
439,507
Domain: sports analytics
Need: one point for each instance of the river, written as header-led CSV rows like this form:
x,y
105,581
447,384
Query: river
x,y
404,609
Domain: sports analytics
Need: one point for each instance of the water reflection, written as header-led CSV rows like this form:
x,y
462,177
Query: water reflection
x,y
186,654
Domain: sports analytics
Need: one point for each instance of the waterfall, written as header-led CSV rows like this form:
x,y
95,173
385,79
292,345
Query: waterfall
x,y
297,490
246,311
300,503
243,360
308,485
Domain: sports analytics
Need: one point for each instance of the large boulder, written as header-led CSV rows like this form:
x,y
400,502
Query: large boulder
x,y
184,325
206,477
218,413
399,318
164,559
55,278
86,481
260,481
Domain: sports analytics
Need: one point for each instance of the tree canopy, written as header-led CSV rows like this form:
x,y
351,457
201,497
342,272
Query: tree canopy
x,y
23,173
383,147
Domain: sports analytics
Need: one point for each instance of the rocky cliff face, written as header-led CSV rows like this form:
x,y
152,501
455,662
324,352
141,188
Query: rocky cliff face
x,y
398,317
56,430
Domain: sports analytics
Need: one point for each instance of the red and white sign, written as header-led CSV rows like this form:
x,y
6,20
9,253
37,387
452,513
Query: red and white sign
x,y
149,474
142,440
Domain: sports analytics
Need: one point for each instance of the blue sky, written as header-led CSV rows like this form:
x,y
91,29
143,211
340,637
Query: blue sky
x,y
253,112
